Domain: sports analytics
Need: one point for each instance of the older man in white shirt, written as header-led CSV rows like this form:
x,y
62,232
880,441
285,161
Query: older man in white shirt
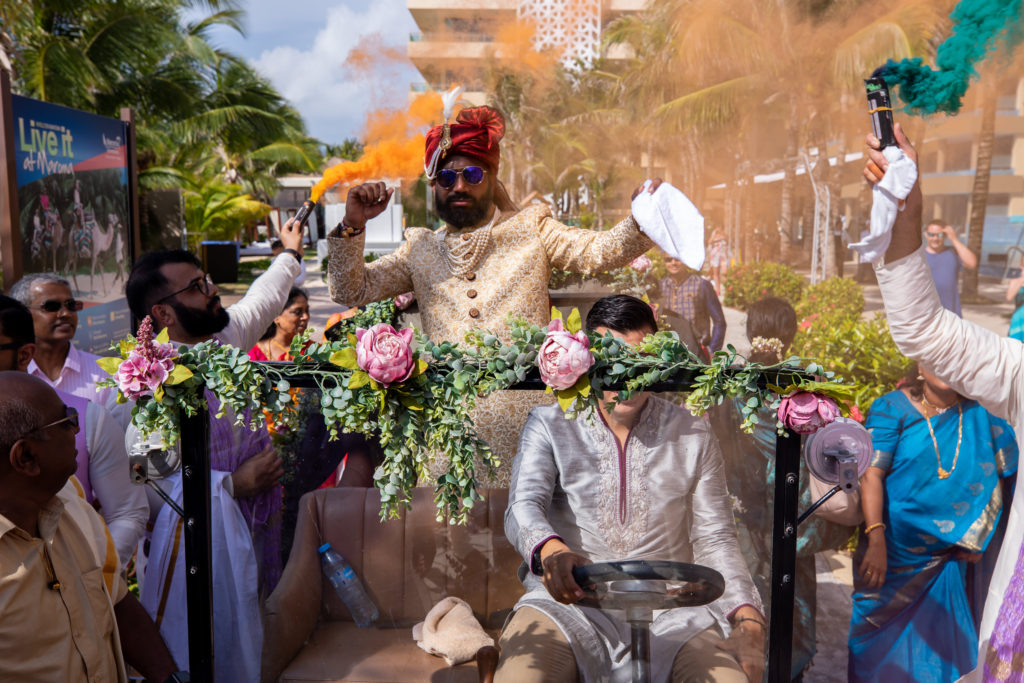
x,y
57,361
102,460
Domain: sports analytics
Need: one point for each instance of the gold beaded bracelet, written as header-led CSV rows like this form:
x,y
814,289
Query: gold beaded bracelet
x,y
349,231
876,525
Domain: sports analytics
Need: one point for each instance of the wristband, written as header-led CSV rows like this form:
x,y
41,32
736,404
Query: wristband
x,y
872,527
293,252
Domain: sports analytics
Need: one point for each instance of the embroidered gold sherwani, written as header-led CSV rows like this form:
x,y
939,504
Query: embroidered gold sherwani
x,y
511,277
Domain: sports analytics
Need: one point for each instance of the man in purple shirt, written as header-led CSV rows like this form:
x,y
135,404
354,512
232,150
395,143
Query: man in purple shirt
x,y
945,262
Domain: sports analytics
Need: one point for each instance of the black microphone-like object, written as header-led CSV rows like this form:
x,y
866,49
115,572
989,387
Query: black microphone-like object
x,y
880,108
304,212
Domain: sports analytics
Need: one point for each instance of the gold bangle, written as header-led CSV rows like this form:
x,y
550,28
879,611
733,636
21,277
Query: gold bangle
x,y
872,527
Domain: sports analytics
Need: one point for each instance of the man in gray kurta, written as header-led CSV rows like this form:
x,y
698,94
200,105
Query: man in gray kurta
x,y
644,480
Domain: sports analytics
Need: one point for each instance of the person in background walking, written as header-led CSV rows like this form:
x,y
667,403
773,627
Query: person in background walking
x,y
946,262
718,258
687,294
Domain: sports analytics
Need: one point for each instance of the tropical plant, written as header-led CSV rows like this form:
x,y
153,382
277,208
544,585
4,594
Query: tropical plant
x,y
750,282
862,352
201,114
835,299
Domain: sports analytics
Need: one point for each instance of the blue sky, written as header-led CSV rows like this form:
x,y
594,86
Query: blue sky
x,y
301,47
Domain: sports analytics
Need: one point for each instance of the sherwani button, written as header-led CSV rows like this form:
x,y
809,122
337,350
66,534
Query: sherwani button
x,y
471,294
470,276
465,238
474,313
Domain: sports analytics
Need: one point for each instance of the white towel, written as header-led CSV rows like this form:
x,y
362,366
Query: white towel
x,y
451,631
887,194
670,219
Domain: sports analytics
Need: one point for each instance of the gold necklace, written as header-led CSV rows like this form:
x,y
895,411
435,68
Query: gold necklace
x,y
943,474
464,257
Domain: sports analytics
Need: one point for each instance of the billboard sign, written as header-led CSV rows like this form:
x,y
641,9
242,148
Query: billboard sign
x,y
74,209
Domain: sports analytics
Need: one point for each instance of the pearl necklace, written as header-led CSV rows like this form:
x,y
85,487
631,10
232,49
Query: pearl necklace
x,y
943,474
464,257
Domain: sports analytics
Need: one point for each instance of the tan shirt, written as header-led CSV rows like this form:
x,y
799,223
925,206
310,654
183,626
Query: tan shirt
x,y
68,634
512,277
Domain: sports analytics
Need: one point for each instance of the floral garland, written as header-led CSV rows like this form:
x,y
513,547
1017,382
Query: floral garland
x,y
419,394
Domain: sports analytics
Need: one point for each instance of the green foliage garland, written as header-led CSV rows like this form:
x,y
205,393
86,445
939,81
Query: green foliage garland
x,y
429,414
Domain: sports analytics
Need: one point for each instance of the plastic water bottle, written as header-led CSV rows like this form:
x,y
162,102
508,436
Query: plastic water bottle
x,y
350,588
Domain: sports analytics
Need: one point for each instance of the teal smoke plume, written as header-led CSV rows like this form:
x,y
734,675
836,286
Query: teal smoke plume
x,y
979,27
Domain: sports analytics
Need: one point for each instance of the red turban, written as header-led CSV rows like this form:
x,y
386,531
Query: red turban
x,y
475,133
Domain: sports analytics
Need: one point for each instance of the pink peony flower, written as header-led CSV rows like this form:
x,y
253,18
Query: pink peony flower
x,y
385,355
563,357
805,412
641,263
147,365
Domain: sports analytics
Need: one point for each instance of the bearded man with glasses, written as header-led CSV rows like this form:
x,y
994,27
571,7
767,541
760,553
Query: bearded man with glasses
x,y
489,259
245,494
946,262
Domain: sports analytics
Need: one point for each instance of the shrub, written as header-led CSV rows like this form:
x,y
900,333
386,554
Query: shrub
x,y
859,351
749,283
836,299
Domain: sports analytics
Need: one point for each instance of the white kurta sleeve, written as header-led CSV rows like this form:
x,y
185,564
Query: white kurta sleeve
x,y
123,504
264,301
534,474
976,362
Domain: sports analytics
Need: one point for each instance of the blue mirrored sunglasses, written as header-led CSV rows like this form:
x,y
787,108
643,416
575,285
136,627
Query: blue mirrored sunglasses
x,y
447,177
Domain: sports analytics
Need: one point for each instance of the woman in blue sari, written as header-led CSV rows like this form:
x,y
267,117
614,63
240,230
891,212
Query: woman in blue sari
x,y
931,500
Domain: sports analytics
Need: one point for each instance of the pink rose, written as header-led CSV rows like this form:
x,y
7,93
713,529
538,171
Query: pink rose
x,y
385,355
564,357
805,412
641,263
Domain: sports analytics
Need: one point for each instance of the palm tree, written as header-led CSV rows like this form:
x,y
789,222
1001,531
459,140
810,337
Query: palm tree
x,y
201,113
979,190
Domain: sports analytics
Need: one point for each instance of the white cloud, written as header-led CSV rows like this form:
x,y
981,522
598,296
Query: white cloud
x,y
333,102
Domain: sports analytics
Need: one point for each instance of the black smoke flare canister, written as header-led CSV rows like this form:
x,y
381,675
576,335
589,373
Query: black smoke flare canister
x,y
880,108
304,212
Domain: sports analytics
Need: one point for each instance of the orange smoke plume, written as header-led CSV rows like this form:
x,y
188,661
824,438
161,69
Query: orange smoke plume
x,y
393,149
371,53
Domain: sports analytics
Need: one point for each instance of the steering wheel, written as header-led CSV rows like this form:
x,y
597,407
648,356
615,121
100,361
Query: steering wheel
x,y
640,583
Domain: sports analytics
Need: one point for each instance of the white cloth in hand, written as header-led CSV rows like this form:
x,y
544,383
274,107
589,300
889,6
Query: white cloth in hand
x,y
887,194
670,219
451,631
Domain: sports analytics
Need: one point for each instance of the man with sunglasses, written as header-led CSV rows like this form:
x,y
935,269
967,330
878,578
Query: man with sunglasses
x,y
246,500
946,262
64,617
57,361
488,261
102,466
